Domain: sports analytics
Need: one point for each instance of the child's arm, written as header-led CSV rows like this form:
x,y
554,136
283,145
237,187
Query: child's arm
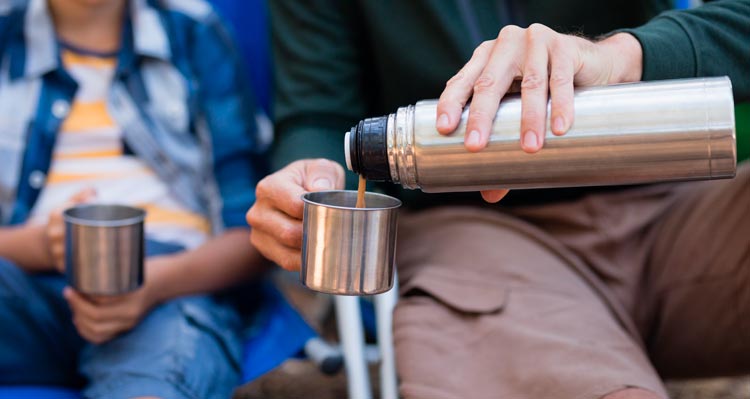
x,y
27,247
221,262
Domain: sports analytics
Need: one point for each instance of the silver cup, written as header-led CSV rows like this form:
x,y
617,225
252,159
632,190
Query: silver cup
x,y
348,250
104,248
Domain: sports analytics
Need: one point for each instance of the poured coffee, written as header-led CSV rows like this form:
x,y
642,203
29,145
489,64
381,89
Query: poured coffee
x,y
361,192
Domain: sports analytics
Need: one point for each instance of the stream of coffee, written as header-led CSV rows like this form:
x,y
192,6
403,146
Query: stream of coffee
x,y
361,192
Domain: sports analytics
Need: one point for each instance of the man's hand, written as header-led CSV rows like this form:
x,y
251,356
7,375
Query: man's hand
x,y
55,231
545,61
276,217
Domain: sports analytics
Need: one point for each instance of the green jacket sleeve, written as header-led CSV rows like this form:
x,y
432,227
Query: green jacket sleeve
x,y
711,40
318,78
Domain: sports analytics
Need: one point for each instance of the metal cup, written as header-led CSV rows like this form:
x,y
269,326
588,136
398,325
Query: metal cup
x,y
348,250
104,248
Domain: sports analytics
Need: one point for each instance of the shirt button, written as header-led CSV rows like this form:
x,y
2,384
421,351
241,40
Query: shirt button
x,y
60,109
37,179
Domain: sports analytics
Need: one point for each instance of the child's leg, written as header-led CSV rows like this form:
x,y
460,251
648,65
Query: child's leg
x,y
38,343
186,348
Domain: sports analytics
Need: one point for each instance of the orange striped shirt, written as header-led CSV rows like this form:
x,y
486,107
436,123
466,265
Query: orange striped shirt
x,y
89,153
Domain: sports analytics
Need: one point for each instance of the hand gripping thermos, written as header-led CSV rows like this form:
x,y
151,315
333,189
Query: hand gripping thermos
x,y
622,134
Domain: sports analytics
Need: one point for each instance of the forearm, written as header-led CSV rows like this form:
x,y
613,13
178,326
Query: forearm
x,y
26,247
219,263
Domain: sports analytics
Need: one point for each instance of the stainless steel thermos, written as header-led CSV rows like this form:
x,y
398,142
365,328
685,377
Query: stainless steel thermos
x,y
622,134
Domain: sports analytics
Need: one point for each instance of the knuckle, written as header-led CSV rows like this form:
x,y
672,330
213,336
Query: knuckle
x,y
532,81
290,236
96,316
560,79
536,32
448,101
98,330
485,83
323,163
530,116
484,46
261,189
252,216
479,116
255,239
536,29
456,78
288,263
509,31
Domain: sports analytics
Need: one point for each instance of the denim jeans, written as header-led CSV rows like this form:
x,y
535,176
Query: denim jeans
x,y
185,348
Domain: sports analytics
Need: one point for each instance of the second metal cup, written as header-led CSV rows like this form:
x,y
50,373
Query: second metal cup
x,y
104,248
348,250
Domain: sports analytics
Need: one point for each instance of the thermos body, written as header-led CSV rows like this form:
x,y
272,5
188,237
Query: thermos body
x,y
622,134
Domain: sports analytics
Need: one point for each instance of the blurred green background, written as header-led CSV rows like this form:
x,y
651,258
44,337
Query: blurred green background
x,y
742,120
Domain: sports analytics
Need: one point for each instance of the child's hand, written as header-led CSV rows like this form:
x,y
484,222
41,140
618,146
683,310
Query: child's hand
x,y
99,319
55,231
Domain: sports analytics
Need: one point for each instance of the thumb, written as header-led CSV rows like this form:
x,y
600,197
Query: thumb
x,y
323,174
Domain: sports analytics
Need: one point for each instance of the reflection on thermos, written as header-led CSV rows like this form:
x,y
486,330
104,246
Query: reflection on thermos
x,y
622,134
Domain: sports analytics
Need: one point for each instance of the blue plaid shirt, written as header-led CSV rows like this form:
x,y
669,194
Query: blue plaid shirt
x,y
178,94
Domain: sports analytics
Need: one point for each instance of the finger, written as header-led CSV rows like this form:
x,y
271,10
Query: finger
x,y
323,174
108,301
285,229
85,195
85,331
493,196
288,258
491,86
97,332
459,88
82,306
534,88
55,231
562,74
283,191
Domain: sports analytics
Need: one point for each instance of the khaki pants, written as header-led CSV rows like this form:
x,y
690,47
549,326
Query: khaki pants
x,y
576,299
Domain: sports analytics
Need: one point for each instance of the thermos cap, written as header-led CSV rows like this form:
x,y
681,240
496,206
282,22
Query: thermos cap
x,y
366,149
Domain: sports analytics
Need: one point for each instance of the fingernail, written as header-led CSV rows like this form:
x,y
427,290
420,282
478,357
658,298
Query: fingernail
x,y
558,126
66,292
474,138
529,140
322,184
443,121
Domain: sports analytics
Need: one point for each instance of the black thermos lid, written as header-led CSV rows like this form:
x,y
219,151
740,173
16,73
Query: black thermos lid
x,y
368,149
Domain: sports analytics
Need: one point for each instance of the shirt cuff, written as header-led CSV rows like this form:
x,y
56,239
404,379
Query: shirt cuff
x,y
668,51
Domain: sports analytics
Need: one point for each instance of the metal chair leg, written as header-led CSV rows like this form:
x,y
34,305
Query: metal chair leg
x,y
384,304
352,337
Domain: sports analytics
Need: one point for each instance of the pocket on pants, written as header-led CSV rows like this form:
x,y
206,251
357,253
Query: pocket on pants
x,y
462,291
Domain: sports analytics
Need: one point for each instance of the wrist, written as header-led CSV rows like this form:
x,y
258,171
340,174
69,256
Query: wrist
x,y
41,253
627,57
156,282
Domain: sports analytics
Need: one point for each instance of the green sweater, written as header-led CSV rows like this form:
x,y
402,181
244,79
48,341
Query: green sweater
x,y
339,61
